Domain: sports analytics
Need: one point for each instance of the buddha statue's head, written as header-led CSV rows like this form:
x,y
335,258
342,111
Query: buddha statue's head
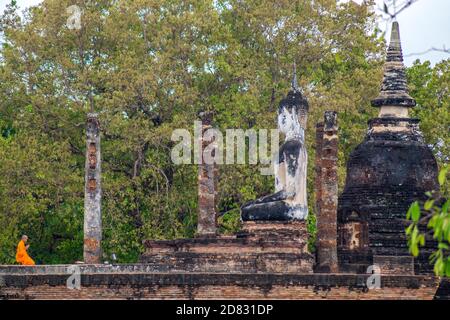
x,y
288,122
292,114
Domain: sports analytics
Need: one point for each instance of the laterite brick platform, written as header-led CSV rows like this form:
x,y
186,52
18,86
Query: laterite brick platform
x,y
140,281
261,247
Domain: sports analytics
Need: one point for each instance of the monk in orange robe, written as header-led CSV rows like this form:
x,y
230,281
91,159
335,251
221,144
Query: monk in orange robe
x,y
22,256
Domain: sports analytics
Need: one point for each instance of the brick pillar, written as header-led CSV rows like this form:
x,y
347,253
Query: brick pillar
x,y
92,251
207,183
327,193
318,166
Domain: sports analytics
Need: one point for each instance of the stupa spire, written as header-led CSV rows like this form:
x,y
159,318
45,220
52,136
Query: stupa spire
x,y
394,89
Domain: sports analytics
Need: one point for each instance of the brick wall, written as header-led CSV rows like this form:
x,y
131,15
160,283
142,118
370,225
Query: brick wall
x,y
279,247
135,285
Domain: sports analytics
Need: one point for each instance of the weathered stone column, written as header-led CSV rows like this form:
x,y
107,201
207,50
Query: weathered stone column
x,y
92,194
207,180
318,166
327,193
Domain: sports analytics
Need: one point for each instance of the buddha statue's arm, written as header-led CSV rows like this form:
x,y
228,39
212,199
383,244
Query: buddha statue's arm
x,y
300,181
279,171
292,168
280,176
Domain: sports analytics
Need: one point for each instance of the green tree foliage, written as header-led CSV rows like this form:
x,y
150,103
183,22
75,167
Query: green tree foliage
x,y
430,86
435,213
148,67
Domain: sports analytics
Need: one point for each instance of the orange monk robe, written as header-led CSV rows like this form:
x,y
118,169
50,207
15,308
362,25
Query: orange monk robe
x,y
22,256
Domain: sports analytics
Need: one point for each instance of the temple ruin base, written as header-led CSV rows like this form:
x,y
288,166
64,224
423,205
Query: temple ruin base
x,y
140,281
266,260
279,247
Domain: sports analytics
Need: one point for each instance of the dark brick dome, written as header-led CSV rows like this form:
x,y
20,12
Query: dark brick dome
x,y
392,161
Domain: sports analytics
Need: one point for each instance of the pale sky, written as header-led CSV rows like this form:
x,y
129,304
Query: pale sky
x,y
425,24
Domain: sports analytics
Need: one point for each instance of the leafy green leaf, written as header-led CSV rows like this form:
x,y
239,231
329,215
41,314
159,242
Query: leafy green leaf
x,y
415,250
445,207
428,204
439,267
447,268
409,229
442,175
414,211
421,239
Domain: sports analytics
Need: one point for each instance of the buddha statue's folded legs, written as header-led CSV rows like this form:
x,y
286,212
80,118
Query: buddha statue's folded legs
x,y
273,211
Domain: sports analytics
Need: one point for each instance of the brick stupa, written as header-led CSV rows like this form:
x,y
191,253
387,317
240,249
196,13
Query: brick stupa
x,y
389,170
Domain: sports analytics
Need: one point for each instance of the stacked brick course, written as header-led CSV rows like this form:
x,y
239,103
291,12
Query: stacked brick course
x,y
260,247
207,185
327,193
118,282
93,193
